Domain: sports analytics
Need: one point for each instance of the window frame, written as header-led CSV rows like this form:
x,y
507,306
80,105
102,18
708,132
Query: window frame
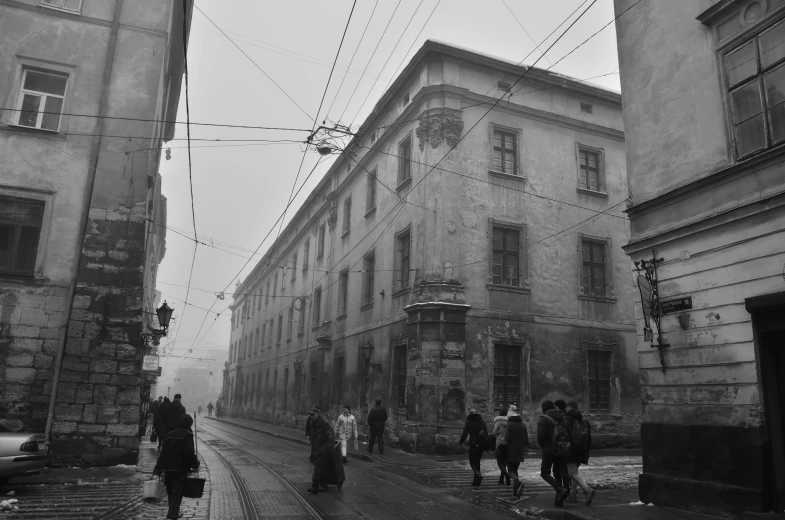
x,y
78,10
404,180
507,347
306,254
294,268
605,349
280,331
603,191
44,95
398,286
320,242
518,133
731,45
290,324
523,250
343,293
610,292
41,197
347,216
370,194
301,318
316,307
400,355
369,280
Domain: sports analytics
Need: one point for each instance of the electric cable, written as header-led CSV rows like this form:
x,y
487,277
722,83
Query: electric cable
x,y
536,46
330,77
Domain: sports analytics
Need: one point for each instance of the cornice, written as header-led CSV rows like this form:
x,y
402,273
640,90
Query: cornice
x,y
710,15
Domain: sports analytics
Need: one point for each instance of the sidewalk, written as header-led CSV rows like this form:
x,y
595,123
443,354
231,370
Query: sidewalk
x,y
613,504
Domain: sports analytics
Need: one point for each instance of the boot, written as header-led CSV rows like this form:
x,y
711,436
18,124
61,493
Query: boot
x,y
475,481
501,479
520,489
314,489
507,476
590,496
561,494
515,487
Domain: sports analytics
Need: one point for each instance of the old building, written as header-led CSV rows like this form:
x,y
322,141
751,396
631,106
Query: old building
x,y
492,277
704,85
85,86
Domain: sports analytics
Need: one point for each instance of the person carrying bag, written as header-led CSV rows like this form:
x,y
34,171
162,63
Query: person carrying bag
x,y
177,459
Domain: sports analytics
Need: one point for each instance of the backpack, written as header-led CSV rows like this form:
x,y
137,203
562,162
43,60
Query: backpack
x,y
579,435
560,439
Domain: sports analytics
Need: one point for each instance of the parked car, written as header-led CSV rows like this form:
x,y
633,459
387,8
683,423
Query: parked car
x,y
21,454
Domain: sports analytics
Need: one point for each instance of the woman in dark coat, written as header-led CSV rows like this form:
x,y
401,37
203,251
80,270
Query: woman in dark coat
x,y
160,418
580,454
477,432
517,438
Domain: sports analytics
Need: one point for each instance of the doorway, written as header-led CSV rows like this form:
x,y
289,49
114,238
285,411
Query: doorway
x,y
770,336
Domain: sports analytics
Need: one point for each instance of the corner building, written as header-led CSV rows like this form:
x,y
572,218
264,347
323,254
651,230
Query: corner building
x,y
499,280
85,86
704,85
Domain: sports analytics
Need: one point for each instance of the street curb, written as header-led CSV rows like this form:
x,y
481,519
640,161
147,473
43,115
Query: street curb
x,y
359,456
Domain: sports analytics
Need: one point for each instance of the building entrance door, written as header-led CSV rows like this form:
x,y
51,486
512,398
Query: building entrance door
x,y
771,343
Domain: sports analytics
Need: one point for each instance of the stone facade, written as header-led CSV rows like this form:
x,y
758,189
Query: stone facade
x,y
72,318
707,199
429,330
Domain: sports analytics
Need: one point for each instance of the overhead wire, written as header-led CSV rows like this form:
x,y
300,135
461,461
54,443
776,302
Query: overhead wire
x,y
536,45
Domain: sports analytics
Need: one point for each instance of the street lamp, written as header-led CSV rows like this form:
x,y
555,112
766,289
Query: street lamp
x,y
164,313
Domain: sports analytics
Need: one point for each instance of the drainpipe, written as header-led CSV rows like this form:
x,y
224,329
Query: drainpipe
x,y
108,64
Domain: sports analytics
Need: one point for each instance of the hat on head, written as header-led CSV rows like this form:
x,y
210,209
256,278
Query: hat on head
x,y
186,420
512,410
314,409
560,404
572,404
178,396
547,405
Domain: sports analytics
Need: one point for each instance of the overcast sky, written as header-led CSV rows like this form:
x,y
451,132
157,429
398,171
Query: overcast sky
x,y
241,188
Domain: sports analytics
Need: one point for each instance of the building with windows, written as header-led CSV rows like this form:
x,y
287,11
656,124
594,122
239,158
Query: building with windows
x,y
704,86
85,86
462,252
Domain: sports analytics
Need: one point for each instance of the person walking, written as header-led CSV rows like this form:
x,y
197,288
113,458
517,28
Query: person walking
x,y
210,409
517,438
161,420
560,470
499,430
545,426
177,459
477,433
308,430
198,410
345,429
323,442
580,439
376,419
219,408
176,410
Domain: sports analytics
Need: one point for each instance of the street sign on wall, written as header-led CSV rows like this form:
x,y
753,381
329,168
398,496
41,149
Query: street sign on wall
x,y
679,304
150,364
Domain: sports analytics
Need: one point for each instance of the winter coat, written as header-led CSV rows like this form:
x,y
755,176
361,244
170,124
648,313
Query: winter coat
x,y
376,418
517,438
153,408
322,437
499,429
308,429
178,452
474,425
176,410
210,407
346,427
569,419
161,418
545,429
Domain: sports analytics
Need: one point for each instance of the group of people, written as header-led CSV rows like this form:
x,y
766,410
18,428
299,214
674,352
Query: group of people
x,y
172,427
562,433
329,443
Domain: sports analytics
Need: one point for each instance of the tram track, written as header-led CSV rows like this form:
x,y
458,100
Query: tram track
x,y
246,500
399,511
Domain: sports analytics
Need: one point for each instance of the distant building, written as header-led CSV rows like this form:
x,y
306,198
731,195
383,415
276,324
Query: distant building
x,y
85,86
499,281
704,86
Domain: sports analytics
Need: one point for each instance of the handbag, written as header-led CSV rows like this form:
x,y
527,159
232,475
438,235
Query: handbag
x,y
193,487
153,490
154,436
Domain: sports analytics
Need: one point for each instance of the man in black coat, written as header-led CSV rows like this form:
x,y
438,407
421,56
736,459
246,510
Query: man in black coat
x,y
376,419
161,420
176,410
548,421
322,445
477,432
177,459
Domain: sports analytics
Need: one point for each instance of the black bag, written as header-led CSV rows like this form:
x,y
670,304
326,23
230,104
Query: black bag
x,y
193,487
154,436
490,444
333,469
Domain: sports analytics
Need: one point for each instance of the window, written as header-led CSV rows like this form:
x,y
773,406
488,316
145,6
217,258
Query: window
x,y
347,215
285,387
301,318
400,374
593,268
68,5
290,327
41,99
504,86
306,255
586,107
338,374
755,73
314,397
370,202
320,242
369,265
402,245
506,375
317,306
20,231
406,99
294,267
505,156
343,292
256,342
264,332
506,256
258,300
590,170
599,379
267,293
275,286
374,135
280,329
405,160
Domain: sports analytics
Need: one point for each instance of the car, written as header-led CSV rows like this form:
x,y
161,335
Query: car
x,y
21,454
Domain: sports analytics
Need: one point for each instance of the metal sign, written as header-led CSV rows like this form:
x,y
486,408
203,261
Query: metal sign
x,y
150,364
679,304
650,302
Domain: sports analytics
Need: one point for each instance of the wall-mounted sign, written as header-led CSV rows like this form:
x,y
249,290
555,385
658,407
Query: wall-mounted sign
x,y
150,364
679,304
